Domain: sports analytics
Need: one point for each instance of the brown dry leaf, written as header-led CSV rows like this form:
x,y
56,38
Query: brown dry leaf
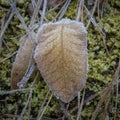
x,y
22,59
62,58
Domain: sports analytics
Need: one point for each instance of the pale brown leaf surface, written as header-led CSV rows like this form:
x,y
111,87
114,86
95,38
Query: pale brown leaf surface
x,y
22,59
62,58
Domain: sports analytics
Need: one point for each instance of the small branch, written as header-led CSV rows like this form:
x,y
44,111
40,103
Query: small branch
x,y
39,3
81,106
13,91
41,108
11,116
117,88
5,27
80,11
43,12
40,13
24,109
107,92
7,23
24,80
18,15
67,106
98,27
29,108
54,8
64,109
94,8
63,10
104,97
29,98
105,112
94,96
78,99
9,56
40,118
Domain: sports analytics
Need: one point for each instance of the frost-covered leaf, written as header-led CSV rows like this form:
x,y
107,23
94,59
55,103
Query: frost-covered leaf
x,y
22,59
61,56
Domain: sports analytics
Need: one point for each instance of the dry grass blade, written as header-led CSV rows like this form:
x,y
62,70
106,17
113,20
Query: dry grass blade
x,y
117,75
60,11
107,92
104,97
43,104
18,15
37,7
13,91
43,12
5,27
9,56
80,10
29,98
25,107
30,69
81,106
94,8
22,60
63,10
98,27
64,110
40,118
61,56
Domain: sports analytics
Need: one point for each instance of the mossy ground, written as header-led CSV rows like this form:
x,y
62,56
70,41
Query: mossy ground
x,y
102,65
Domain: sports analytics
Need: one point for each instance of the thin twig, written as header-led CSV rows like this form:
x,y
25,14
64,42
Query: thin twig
x,y
106,107
80,11
18,15
94,8
4,42
29,108
94,95
54,8
78,99
24,109
43,12
16,111
29,98
67,106
107,92
9,56
24,80
98,27
64,109
64,9
105,96
40,13
11,116
14,91
5,27
39,118
7,23
60,11
39,3
117,90
43,104
81,106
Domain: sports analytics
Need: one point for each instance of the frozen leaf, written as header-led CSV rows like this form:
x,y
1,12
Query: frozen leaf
x,y
22,59
62,58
